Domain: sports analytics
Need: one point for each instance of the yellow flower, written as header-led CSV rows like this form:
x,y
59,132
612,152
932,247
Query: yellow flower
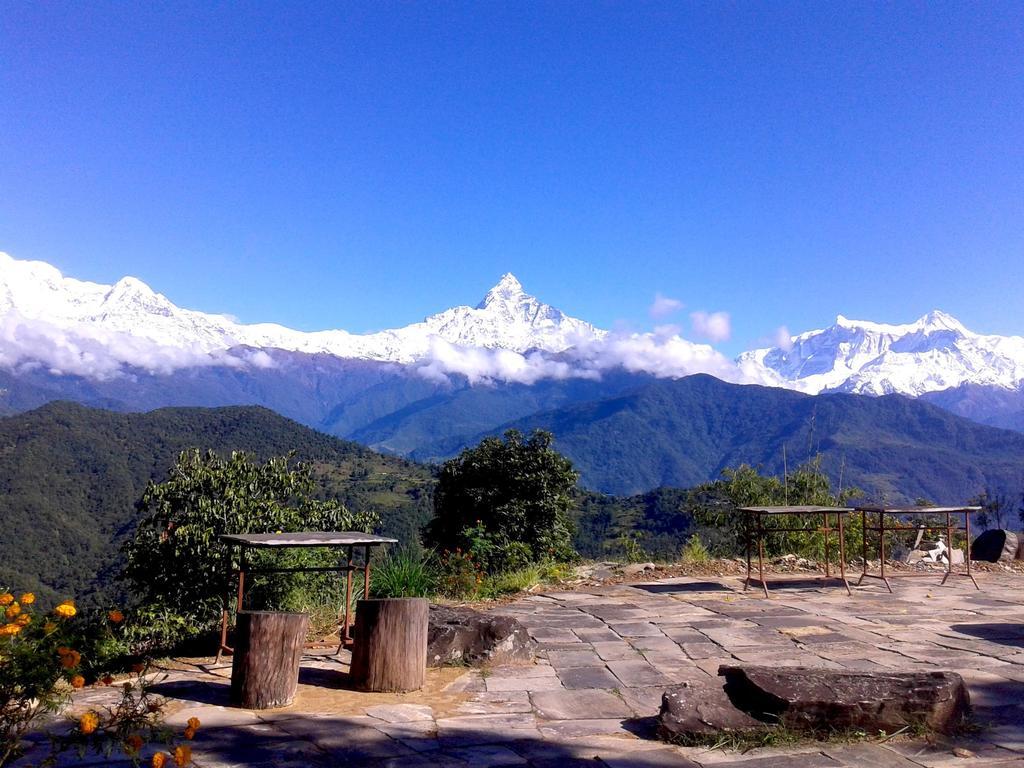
x,y
115,616
12,610
66,609
23,619
182,755
88,722
9,629
6,598
28,598
77,681
160,759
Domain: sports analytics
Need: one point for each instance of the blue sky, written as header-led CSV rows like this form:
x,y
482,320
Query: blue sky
x,y
363,165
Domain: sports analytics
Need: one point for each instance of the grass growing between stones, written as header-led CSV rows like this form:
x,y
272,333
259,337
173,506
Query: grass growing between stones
x,y
783,736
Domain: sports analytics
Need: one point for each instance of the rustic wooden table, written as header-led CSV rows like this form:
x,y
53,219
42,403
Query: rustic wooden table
x,y
344,540
873,520
756,531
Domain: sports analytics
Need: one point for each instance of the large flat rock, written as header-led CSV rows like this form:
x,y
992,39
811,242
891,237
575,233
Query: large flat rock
x,y
824,700
691,711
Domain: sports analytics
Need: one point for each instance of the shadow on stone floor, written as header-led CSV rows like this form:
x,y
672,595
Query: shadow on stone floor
x,y
200,692
1003,634
812,583
317,742
325,678
693,586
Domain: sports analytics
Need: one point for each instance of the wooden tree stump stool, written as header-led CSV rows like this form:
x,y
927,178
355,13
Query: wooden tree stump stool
x,y
390,650
268,649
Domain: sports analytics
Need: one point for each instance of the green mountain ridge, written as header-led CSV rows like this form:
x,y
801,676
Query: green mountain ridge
x,y
70,476
683,432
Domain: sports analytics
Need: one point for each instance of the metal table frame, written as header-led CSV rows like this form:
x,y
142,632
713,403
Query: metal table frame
x,y
756,531
347,540
950,528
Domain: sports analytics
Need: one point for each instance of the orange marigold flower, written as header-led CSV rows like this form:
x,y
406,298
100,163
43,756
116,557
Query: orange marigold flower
x,y
115,616
88,722
6,598
133,744
66,609
23,619
77,681
69,659
9,629
12,610
193,723
190,733
182,755
160,759
49,627
27,599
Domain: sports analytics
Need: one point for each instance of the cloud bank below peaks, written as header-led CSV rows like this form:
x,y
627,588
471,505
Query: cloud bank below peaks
x,y
98,353
661,353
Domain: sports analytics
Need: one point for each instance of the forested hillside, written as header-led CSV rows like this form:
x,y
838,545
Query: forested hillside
x,y
684,432
70,477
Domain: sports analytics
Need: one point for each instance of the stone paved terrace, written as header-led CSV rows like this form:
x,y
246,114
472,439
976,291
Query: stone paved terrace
x,y
607,654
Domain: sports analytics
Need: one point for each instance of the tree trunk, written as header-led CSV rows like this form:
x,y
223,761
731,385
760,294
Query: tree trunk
x,y
268,648
390,648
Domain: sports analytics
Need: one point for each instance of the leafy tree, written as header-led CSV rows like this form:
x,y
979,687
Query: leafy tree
x,y
506,502
176,562
995,509
714,505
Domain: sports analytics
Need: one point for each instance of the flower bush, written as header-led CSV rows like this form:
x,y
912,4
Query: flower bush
x,y
41,664
459,576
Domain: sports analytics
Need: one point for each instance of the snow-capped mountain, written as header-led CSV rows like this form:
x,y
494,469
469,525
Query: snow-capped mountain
x,y
932,354
69,326
37,300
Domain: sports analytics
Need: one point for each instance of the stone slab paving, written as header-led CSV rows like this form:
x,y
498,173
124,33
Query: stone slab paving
x,y
607,653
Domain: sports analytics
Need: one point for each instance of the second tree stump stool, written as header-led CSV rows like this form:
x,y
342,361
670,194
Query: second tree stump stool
x,y
268,649
390,649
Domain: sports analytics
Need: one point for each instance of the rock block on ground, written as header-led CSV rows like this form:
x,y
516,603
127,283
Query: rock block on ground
x,y
822,700
995,545
693,710
464,636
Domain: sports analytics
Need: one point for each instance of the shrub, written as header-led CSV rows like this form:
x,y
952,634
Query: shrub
x,y
715,505
43,658
506,501
404,573
632,550
694,551
182,572
458,575
511,582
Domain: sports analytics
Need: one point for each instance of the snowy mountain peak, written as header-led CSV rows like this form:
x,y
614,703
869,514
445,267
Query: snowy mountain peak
x,y
939,320
129,320
507,289
933,353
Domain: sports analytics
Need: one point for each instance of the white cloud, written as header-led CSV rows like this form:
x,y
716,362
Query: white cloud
x,y
783,338
99,353
713,326
664,354
663,306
